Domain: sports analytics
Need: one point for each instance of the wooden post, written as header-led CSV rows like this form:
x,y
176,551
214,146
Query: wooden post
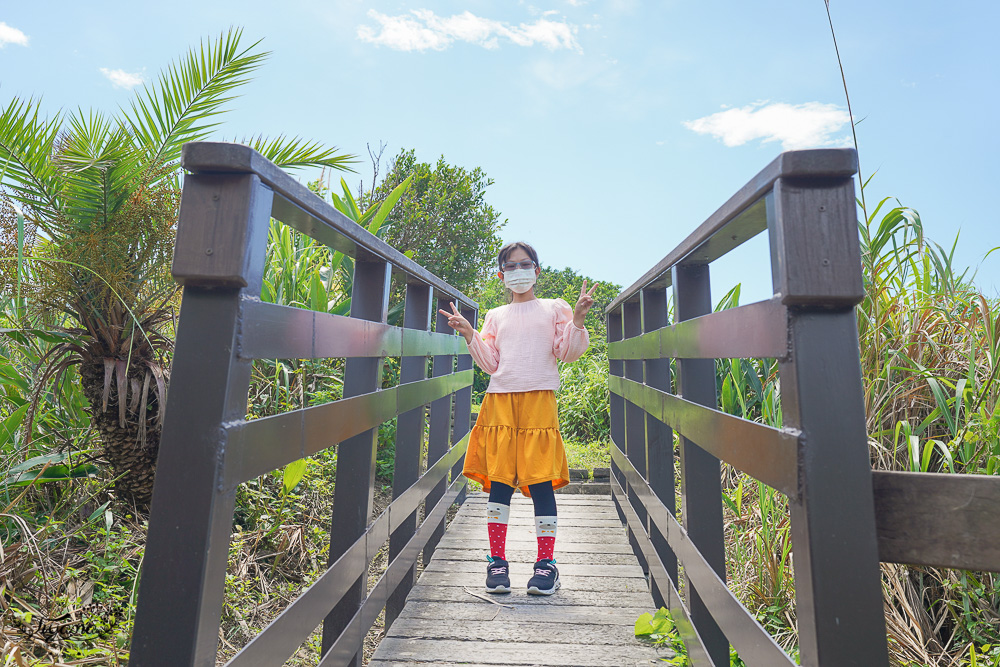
x,y
616,408
183,577
701,487
355,484
817,269
463,404
659,436
635,426
409,438
440,428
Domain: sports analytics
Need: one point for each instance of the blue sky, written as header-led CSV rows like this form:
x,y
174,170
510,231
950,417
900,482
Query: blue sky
x,y
611,128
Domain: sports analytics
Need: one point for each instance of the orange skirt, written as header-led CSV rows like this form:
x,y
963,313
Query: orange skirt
x,y
516,441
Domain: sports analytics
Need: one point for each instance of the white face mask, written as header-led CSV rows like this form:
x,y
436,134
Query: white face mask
x,y
519,280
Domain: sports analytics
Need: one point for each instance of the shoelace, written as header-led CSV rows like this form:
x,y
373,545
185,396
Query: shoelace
x,y
543,572
498,570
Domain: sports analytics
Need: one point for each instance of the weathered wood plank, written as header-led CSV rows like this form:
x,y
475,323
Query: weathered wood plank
x,y
582,570
518,499
476,532
479,610
474,581
475,555
522,543
589,621
938,519
566,596
517,653
503,630
564,522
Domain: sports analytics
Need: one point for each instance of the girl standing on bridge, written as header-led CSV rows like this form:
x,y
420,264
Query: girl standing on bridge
x,y
516,441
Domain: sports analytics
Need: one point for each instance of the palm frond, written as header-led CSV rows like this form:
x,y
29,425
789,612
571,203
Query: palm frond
x,y
189,94
26,144
296,153
102,168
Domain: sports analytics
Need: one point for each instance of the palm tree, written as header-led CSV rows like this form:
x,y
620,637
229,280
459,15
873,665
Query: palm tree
x,y
103,193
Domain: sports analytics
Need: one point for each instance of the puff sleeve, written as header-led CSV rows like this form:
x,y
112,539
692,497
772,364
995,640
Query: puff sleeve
x,y
570,341
483,346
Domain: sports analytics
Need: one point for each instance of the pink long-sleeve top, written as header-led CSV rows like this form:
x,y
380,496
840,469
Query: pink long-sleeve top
x,y
521,342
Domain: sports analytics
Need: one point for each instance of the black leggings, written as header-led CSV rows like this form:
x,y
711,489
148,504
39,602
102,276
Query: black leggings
x,y
542,496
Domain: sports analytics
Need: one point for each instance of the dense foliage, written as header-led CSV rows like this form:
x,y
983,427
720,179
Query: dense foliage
x,y
929,347
443,221
98,198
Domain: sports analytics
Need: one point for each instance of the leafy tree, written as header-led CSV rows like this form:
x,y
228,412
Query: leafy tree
x,y
103,192
442,219
566,283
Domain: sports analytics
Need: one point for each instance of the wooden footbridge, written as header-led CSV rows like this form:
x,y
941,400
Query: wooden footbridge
x,y
619,555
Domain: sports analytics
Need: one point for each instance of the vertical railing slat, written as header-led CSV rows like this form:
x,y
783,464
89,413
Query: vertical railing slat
x,y
616,409
463,404
659,436
438,441
635,424
409,438
701,488
355,483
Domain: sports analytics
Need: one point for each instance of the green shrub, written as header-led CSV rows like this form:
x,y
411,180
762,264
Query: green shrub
x,y
583,398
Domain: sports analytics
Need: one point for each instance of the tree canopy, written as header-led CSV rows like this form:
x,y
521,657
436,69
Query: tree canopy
x,y
442,220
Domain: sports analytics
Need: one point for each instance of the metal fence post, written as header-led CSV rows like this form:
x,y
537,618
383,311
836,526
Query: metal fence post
x,y
221,243
659,436
354,490
816,260
409,437
440,427
701,487
635,425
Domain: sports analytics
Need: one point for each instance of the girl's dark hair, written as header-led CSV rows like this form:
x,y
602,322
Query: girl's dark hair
x,y
511,247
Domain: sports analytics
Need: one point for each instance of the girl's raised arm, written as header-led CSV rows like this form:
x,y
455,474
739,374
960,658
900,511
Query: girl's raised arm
x,y
570,341
481,345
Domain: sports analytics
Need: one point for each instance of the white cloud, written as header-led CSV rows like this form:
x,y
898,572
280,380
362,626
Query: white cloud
x,y
11,35
796,126
122,79
422,29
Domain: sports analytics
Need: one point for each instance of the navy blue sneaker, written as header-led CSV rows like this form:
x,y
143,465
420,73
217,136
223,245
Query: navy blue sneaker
x,y
546,578
497,576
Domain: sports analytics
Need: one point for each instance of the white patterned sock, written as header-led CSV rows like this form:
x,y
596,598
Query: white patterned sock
x,y
497,513
545,526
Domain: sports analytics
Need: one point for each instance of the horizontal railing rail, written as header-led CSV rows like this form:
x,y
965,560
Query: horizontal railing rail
x,y
209,447
844,518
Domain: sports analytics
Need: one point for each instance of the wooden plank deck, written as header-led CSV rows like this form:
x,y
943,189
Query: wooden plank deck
x,y
588,621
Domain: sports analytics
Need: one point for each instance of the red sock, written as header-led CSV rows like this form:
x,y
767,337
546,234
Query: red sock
x,y
545,530
498,540
496,527
546,547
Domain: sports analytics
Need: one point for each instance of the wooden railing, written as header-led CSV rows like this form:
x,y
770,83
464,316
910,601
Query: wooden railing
x,y
208,447
844,518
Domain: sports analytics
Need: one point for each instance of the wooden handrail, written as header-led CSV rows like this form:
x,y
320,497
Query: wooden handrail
x,y
209,448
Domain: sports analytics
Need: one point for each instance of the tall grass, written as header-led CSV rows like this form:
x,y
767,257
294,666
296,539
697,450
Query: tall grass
x,y
929,345
929,357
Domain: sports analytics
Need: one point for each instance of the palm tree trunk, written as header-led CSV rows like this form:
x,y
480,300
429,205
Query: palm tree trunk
x,y
133,462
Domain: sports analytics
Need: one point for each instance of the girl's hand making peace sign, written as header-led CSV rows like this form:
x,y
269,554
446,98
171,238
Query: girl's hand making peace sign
x,y
583,304
457,322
